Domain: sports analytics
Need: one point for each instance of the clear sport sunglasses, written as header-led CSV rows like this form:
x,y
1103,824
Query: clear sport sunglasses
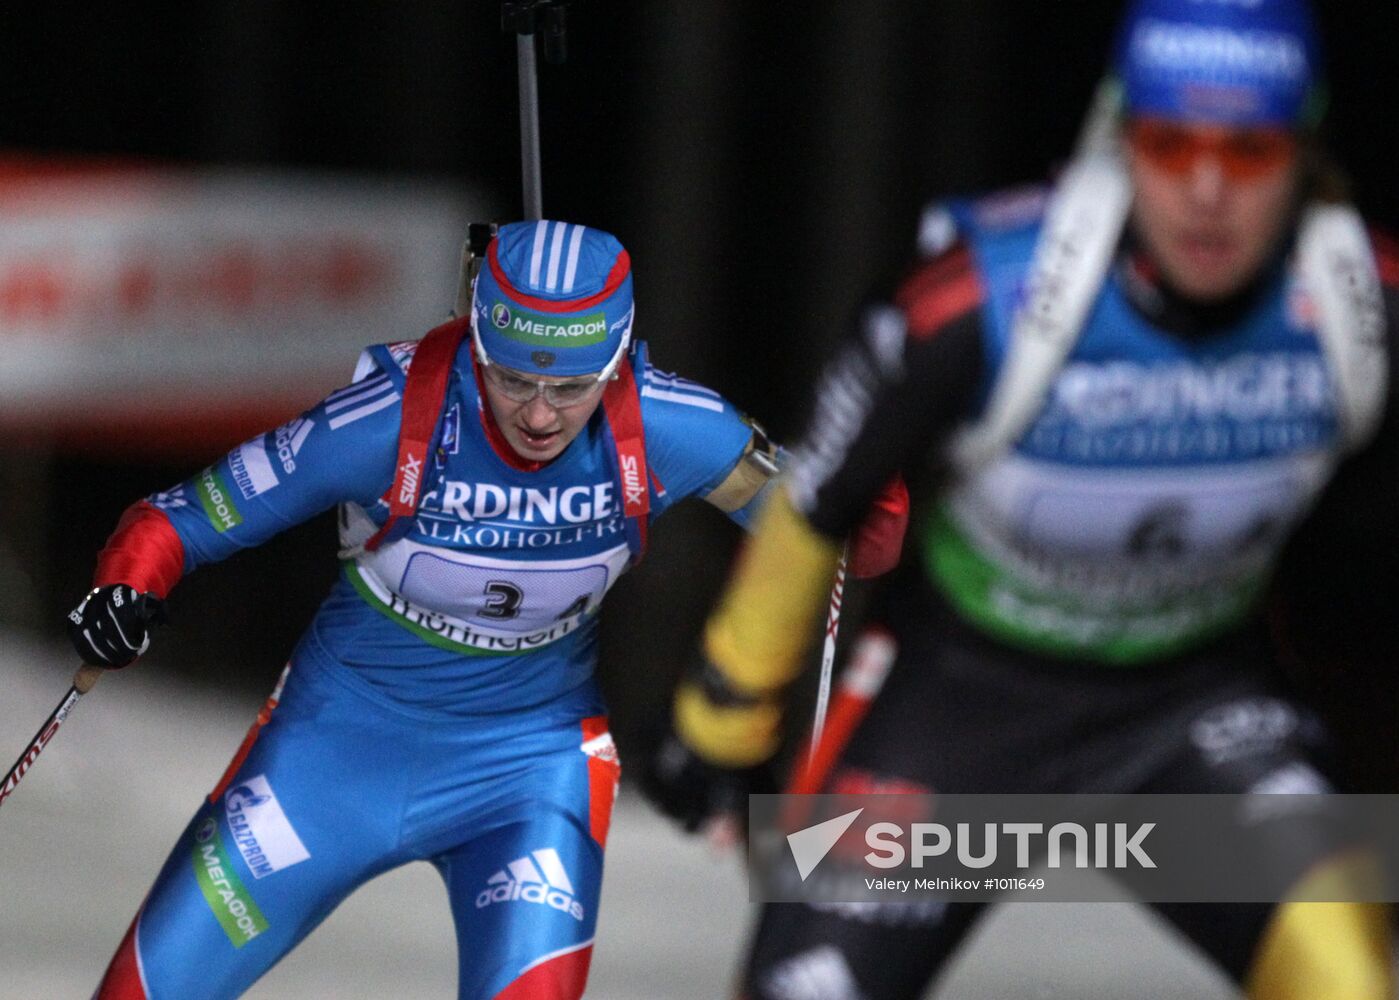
x,y
519,389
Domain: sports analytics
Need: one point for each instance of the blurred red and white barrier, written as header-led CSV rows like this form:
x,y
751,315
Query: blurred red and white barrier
x,y
163,308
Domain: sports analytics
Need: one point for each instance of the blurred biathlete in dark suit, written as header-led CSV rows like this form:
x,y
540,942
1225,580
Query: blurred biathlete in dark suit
x,y
1115,400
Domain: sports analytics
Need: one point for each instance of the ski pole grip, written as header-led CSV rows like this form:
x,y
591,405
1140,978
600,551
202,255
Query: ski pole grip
x,y
86,677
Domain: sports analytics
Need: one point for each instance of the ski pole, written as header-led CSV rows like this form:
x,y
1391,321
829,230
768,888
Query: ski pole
x,y
828,658
83,681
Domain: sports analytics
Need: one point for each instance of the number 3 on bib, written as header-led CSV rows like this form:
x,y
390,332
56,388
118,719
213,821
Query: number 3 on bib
x,y
503,600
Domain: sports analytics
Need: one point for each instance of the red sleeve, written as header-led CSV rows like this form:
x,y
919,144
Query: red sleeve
x,y
940,291
144,552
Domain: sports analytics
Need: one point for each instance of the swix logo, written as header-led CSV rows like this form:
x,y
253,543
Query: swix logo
x,y
408,492
36,748
19,771
27,761
538,877
632,486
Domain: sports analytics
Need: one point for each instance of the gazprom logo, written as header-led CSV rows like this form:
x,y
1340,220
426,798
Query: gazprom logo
x,y
500,315
260,828
243,797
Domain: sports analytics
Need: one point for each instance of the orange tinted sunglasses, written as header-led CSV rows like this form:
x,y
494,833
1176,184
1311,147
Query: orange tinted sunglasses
x,y
1242,153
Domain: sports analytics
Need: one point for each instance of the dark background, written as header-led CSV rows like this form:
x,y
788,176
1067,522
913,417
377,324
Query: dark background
x,y
763,162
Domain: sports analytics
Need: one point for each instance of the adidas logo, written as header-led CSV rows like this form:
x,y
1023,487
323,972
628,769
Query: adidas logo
x,y
288,440
539,877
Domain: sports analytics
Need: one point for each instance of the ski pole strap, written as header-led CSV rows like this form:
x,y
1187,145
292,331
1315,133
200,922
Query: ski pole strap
x,y
423,396
621,403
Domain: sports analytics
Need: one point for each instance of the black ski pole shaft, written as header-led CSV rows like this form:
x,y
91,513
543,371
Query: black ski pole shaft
x,y
524,17
529,127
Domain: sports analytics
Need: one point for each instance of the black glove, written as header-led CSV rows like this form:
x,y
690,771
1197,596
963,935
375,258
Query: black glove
x,y
111,627
691,790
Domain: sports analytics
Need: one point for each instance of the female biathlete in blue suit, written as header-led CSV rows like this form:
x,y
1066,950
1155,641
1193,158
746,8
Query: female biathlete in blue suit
x,y
441,706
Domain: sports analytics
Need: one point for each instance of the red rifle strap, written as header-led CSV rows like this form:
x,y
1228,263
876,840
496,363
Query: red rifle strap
x,y
622,404
423,396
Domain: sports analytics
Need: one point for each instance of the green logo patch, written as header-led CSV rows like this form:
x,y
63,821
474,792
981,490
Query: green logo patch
x,y
223,890
543,330
218,503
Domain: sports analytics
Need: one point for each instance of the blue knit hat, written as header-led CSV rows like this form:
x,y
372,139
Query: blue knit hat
x,y
554,298
1231,62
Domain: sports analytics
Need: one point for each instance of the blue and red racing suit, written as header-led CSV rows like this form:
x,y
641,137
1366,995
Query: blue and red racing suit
x,y
441,706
